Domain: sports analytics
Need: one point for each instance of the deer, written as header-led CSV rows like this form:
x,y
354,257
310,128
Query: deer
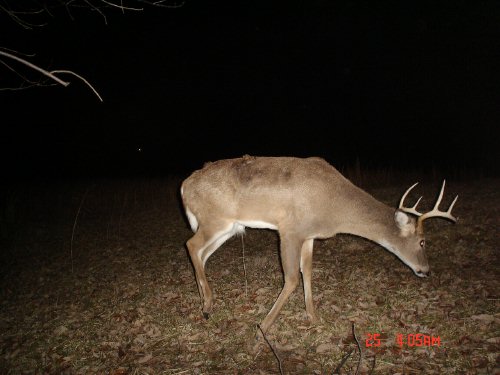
x,y
303,199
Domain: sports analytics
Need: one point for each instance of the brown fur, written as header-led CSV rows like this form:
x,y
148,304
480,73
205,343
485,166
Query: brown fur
x,y
303,199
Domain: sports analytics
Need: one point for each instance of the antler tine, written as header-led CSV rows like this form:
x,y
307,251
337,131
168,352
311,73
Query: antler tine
x,y
438,202
413,209
450,208
435,212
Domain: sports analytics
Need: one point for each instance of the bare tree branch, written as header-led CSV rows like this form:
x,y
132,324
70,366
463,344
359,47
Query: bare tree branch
x,y
122,7
78,76
13,14
98,11
34,67
24,78
42,9
160,3
51,74
28,14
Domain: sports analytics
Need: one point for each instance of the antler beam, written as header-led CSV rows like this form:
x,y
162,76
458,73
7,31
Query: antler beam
x,y
413,209
435,212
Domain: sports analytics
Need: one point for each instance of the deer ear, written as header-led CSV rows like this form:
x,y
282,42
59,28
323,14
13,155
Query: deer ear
x,y
401,219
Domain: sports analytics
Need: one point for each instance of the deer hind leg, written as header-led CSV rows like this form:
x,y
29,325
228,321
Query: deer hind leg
x,y
290,259
200,247
306,269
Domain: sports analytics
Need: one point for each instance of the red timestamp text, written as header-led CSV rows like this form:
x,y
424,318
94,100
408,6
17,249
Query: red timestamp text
x,y
417,339
373,340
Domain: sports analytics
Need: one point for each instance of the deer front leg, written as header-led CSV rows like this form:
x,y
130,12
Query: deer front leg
x,y
306,269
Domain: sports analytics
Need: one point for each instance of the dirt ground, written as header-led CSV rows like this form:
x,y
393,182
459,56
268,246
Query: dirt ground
x,y
95,278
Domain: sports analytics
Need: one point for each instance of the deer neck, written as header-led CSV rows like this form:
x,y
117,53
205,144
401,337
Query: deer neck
x,y
368,218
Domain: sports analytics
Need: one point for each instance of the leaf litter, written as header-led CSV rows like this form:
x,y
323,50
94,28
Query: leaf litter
x,y
131,305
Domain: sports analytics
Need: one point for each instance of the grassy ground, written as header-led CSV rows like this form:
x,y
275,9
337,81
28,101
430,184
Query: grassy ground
x,y
114,291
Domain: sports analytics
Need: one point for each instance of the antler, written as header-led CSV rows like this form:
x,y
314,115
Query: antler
x,y
435,212
410,210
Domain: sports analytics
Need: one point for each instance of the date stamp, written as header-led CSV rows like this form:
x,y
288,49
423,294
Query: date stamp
x,y
374,340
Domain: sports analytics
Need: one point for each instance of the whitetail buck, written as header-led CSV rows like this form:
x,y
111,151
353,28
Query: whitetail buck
x,y
302,199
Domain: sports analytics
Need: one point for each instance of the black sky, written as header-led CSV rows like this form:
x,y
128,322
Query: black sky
x,y
389,83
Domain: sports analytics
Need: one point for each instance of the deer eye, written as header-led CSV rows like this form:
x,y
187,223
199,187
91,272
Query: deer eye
x,y
422,243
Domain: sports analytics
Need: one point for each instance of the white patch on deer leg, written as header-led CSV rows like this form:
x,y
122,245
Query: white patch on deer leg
x,y
218,239
215,245
257,224
306,269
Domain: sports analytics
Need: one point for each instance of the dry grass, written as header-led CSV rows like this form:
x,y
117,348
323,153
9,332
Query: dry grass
x,y
131,305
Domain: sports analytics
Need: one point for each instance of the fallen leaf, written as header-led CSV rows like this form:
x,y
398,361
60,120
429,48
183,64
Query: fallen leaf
x,y
261,291
335,308
324,348
61,330
145,359
485,318
170,296
285,347
141,310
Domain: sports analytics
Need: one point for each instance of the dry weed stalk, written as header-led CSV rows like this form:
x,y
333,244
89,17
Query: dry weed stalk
x,y
74,227
244,265
359,349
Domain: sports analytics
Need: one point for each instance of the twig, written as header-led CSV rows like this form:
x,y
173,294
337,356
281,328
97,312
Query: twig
x,y
272,349
25,24
74,227
120,219
98,11
78,76
359,348
344,359
373,366
339,367
122,7
25,79
161,4
68,10
244,265
17,52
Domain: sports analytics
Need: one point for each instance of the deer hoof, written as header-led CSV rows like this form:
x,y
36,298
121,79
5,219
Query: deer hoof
x,y
206,315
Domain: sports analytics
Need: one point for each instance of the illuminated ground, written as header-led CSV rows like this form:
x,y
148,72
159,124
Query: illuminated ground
x,y
114,292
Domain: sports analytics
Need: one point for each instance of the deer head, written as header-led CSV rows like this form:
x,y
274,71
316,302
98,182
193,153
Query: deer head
x,y
412,231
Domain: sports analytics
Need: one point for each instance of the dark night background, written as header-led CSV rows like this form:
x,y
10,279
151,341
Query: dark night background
x,y
391,84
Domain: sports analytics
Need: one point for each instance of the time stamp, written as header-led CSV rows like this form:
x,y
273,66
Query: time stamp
x,y
374,340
